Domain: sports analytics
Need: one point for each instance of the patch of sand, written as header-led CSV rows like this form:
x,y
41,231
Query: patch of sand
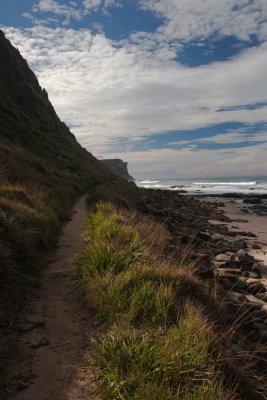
x,y
254,223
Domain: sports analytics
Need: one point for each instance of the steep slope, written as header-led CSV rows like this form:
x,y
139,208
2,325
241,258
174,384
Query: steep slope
x,y
32,134
43,169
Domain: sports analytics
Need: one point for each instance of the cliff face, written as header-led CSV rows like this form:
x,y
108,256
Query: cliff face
x,y
119,167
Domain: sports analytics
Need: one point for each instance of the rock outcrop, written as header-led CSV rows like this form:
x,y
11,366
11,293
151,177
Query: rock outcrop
x,y
119,167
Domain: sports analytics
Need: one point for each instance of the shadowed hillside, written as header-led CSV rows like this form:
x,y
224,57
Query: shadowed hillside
x,y
43,170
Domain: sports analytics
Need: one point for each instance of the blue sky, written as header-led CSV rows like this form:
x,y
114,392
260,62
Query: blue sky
x,y
177,88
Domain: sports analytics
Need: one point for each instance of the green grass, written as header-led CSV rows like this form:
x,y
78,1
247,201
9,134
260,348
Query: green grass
x,y
43,171
160,343
155,364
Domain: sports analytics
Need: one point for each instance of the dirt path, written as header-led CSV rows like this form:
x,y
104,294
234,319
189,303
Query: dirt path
x,y
56,333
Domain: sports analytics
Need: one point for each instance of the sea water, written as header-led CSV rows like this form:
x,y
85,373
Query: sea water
x,y
255,185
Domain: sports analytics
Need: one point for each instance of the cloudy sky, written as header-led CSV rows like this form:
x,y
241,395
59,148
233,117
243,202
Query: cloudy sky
x,y
176,87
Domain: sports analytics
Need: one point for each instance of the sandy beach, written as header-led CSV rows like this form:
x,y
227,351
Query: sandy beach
x,y
248,222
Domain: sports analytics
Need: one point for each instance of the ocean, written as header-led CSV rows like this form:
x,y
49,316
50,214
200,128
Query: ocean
x,y
249,185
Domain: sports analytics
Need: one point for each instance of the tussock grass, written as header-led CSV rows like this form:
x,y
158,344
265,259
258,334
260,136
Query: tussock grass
x,y
160,344
155,364
27,224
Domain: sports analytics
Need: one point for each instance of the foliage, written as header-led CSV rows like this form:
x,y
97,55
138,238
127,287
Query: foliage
x,y
160,344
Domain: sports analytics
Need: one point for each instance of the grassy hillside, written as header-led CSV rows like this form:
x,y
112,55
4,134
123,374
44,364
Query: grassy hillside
x,y
43,170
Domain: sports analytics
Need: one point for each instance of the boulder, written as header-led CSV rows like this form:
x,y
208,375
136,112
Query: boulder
x,y
256,288
252,281
262,333
256,246
223,258
246,266
259,314
262,296
227,284
252,200
259,326
239,244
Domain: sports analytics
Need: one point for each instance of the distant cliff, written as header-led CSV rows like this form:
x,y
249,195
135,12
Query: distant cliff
x,y
119,167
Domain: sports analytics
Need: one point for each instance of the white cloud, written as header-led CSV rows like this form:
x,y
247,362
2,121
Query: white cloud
x,y
92,4
52,6
113,92
69,10
191,163
107,90
232,137
27,15
188,20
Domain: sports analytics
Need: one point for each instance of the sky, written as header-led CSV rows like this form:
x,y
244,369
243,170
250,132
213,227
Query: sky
x,y
178,88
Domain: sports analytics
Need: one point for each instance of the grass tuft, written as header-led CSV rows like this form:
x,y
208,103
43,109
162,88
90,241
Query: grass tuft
x,y
155,364
160,343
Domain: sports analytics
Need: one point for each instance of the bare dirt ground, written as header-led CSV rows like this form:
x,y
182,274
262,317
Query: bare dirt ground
x,y
55,334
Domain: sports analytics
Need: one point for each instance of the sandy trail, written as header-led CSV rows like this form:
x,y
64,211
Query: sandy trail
x,y
54,350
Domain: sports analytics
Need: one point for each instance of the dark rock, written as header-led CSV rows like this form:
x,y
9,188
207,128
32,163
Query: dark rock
x,y
221,264
259,326
222,217
236,297
256,246
35,319
227,284
244,258
119,167
204,236
239,244
39,343
22,386
262,296
255,272
240,284
252,306
246,266
254,275
262,333
256,288
25,327
259,314
205,272
252,200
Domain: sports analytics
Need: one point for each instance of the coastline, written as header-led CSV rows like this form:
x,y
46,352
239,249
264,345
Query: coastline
x,y
242,220
226,239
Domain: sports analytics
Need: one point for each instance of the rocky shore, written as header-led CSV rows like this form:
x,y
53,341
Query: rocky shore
x,y
229,246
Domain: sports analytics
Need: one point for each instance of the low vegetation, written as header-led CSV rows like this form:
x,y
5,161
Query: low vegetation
x,y
43,171
160,342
